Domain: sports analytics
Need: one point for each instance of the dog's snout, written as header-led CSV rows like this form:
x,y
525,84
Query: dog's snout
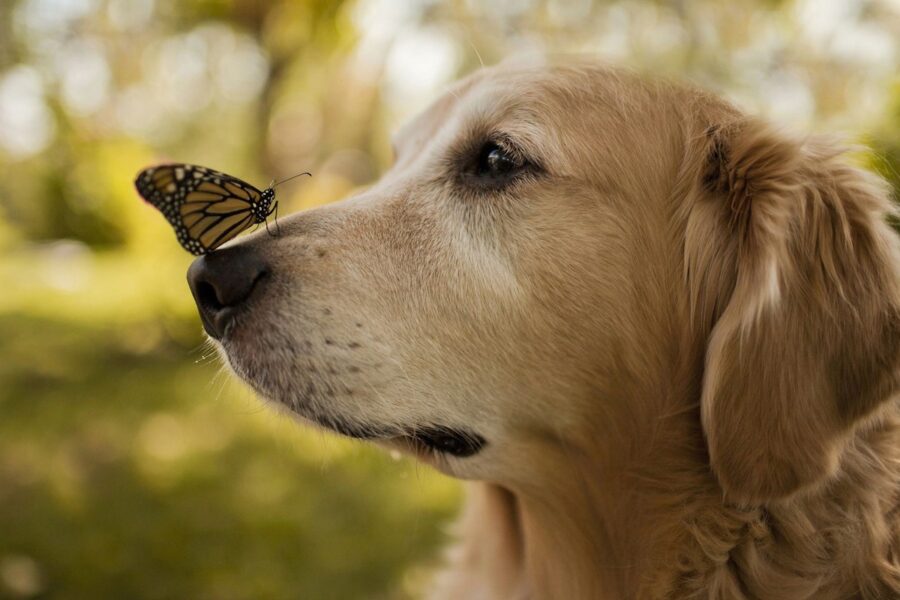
x,y
222,282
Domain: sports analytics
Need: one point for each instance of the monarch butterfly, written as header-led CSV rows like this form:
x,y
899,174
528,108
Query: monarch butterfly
x,y
206,208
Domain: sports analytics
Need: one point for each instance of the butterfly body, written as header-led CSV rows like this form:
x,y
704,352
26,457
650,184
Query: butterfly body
x,y
206,208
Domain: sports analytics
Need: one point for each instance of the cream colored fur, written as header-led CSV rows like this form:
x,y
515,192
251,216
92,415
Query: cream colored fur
x,y
679,337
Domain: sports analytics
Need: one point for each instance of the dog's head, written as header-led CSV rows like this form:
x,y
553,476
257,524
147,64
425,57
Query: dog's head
x,y
552,250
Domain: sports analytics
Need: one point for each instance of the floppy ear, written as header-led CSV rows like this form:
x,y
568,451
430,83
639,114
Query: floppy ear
x,y
789,258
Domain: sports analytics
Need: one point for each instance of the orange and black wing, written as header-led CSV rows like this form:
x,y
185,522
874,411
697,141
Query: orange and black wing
x,y
206,208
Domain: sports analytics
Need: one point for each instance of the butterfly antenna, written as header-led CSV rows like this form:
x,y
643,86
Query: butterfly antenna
x,y
274,184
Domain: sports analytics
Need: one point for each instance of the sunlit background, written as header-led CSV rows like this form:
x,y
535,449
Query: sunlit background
x,y
130,465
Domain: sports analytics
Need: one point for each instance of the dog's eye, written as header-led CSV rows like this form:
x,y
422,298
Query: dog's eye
x,y
497,162
494,166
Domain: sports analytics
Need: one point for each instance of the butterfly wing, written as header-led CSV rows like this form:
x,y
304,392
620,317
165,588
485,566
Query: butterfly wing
x,y
206,208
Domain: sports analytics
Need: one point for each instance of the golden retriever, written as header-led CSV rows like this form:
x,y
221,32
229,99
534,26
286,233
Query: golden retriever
x,y
660,338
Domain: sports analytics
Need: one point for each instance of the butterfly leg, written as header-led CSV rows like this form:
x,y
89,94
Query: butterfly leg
x,y
277,226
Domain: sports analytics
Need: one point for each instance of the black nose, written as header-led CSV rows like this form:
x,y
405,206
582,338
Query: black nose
x,y
223,281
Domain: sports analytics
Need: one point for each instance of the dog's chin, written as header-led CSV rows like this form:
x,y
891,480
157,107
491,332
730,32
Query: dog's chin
x,y
423,440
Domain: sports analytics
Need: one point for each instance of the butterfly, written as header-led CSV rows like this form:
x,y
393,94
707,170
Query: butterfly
x,y
206,208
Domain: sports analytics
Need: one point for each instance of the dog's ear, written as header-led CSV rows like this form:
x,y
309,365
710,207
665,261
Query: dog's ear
x,y
795,272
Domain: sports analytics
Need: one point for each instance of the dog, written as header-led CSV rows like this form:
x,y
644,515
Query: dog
x,y
659,337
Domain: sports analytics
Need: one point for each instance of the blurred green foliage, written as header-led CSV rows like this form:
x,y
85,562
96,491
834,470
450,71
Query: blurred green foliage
x,y
127,475
130,465
885,145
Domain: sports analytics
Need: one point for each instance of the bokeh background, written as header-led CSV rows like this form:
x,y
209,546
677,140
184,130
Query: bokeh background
x,y
131,466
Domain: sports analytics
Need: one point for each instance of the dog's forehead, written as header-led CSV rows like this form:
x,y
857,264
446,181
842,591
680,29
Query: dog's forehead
x,y
487,92
428,121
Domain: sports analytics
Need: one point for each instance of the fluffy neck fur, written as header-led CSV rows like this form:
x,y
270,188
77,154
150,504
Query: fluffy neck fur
x,y
656,526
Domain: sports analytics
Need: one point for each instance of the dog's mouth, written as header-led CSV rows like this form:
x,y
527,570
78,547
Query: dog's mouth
x,y
453,441
445,440
424,440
